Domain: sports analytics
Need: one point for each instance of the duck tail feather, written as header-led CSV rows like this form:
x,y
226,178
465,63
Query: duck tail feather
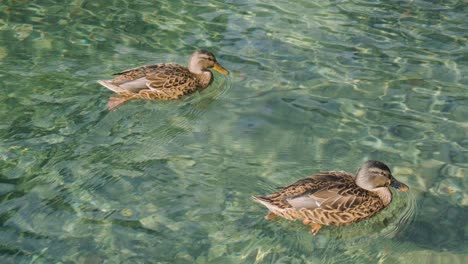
x,y
266,202
111,86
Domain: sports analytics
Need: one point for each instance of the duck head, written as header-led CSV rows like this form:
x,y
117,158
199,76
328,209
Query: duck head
x,y
374,174
202,60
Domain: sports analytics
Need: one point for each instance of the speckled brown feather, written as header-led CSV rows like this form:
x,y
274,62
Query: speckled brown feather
x,y
343,201
169,81
166,81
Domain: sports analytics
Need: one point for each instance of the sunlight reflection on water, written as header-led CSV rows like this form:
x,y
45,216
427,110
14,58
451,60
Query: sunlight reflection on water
x,y
314,86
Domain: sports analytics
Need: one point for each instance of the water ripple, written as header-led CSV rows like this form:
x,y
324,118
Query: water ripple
x,y
314,85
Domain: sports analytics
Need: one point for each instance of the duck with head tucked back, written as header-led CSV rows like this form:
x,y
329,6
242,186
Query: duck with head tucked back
x,y
334,197
165,81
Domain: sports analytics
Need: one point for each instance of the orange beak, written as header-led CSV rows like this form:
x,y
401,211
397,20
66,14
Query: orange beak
x,y
217,67
399,185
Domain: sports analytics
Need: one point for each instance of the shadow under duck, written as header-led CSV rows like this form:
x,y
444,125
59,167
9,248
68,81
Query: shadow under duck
x,y
334,197
165,81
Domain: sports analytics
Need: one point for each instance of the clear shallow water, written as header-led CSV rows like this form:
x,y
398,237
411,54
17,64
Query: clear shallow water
x,y
314,86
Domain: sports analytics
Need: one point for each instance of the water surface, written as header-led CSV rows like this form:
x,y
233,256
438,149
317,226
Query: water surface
x,y
314,86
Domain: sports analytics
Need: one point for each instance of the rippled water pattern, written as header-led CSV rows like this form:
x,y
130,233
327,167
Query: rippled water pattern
x,y
314,86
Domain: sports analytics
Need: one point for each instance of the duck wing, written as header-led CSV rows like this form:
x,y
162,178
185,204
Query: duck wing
x,y
171,76
138,72
333,190
156,77
329,191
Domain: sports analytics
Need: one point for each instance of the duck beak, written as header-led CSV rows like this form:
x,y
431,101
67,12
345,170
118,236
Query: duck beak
x,y
217,67
399,185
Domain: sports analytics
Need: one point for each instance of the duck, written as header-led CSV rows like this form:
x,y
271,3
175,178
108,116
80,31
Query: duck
x,y
165,81
336,198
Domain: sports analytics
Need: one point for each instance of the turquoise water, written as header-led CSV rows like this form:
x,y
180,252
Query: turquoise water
x,y
314,86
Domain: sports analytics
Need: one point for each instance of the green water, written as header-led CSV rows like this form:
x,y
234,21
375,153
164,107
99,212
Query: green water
x,y
314,86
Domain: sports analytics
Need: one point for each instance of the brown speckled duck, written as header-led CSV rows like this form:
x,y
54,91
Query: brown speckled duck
x,y
334,197
164,81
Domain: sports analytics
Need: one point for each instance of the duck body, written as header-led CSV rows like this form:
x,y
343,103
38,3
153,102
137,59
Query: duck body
x,y
335,197
165,81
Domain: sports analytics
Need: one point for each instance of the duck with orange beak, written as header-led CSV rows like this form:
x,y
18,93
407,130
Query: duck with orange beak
x,y
334,197
165,81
